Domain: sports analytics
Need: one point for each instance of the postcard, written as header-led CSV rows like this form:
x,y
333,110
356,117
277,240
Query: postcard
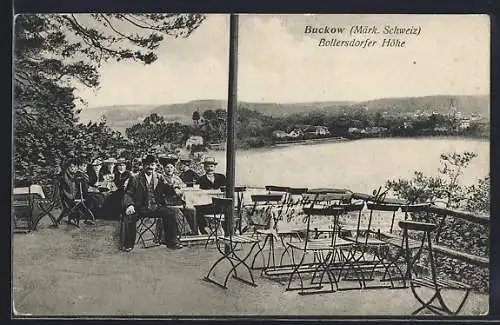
x,y
256,165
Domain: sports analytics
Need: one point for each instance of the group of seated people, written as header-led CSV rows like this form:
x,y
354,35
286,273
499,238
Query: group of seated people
x,y
152,186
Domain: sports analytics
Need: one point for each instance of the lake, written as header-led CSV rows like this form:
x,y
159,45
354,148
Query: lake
x,y
359,165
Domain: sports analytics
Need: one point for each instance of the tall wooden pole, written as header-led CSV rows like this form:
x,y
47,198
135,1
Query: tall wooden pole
x,y
231,109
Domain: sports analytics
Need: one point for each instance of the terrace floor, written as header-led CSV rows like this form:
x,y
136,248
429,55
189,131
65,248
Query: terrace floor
x,y
69,271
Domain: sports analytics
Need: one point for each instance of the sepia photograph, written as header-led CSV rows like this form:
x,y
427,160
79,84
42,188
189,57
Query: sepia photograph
x,y
255,165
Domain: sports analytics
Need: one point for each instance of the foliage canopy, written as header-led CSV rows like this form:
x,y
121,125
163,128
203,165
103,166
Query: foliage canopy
x,y
55,52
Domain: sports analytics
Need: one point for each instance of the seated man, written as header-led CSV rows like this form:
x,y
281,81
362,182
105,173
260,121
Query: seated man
x,y
211,179
145,195
187,175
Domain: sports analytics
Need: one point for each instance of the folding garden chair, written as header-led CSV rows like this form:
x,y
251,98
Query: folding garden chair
x,y
370,253
263,215
394,235
227,244
47,205
262,210
423,272
78,210
239,192
323,250
293,201
327,254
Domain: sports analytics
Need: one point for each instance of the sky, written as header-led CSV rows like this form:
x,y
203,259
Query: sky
x,y
278,62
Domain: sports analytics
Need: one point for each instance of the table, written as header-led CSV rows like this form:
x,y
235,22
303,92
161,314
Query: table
x,y
25,198
194,196
33,189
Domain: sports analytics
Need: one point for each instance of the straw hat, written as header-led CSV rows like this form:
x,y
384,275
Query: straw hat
x,y
170,158
110,161
185,159
97,162
210,161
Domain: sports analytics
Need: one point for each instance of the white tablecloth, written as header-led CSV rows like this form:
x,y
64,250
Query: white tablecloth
x,y
34,189
195,196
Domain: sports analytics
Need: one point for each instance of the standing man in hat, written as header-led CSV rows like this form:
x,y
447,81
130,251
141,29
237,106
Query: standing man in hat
x,y
145,195
211,179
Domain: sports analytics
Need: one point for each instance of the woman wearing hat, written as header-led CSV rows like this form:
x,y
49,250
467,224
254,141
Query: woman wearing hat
x,y
111,209
107,168
93,171
166,159
211,179
72,187
95,199
106,174
175,196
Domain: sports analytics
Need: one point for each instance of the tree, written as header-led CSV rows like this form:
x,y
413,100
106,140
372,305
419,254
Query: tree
x,y
196,117
209,115
96,139
51,53
154,119
94,38
214,125
478,196
154,131
443,188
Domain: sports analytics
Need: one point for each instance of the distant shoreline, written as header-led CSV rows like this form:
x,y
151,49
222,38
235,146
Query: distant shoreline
x,y
342,139
309,141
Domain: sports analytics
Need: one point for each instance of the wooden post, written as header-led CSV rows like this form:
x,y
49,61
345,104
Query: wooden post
x,y
231,109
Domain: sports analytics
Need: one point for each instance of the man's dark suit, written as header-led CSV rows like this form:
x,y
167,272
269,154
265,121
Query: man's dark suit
x,y
120,179
206,184
189,176
148,205
93,177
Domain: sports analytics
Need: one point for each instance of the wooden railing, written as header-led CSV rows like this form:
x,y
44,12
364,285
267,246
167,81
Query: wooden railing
x,y
442,213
